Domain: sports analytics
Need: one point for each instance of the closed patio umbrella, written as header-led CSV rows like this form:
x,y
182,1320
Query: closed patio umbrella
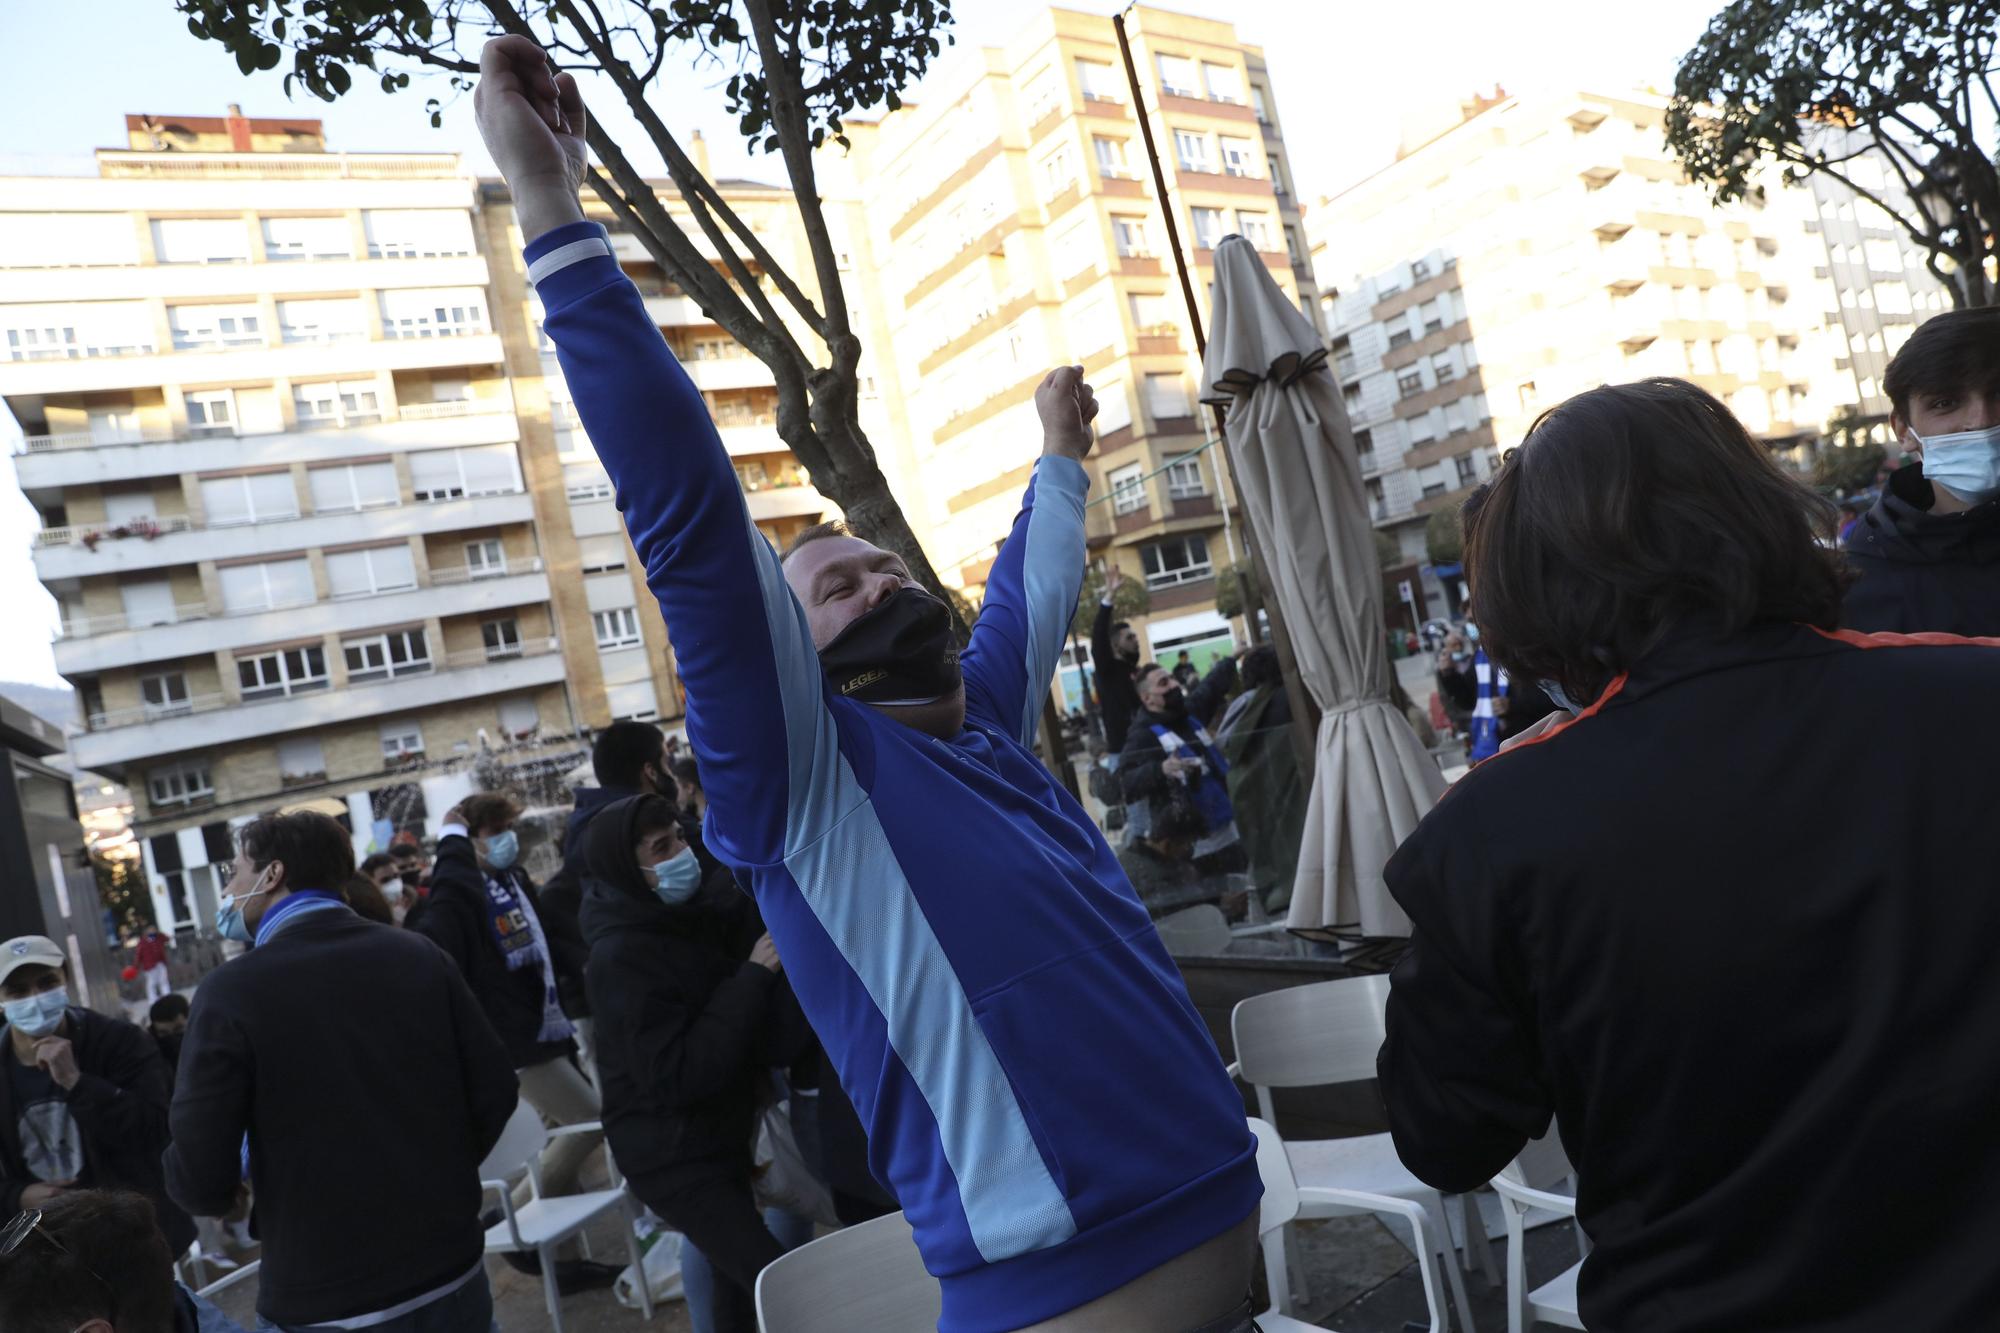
x,y
1301,485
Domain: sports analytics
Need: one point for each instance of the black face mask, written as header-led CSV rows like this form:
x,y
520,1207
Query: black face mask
x,y
170,1047
1174,703
899,653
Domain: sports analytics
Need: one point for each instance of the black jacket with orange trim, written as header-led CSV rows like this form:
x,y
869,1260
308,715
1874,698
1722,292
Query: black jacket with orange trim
x,y
1758,996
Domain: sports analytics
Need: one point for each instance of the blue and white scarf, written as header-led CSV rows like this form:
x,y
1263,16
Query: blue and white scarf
x,y
1492,683
517,932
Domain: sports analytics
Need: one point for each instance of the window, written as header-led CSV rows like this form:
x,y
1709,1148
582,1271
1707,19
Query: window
x,y
1130,234
374,570
485,559
1166,397
1176,560
1178,77
1040,95
336,404
67,240
400,652
401,742
183,784
1224,83
449,474
417,233
1058,172
1419,270
1399,337
1239,157
262,497
212,412
164,695
1098,81
1151,313
352,487
1110,157
1467,474
1114,408
290,671
1443,370
518,716
616,628
47,343
301,759
307,238
1256,229
1128,488
601,553
1262,107
1278,186
596,487
266,586
1192,150
328,321
1207,227
501,637
1184,479
208,327
147,602
1409,383
419,313
1528,396
1292,246
201,241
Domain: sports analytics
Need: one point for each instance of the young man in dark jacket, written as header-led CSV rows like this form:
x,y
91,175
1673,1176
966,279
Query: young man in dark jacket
x,y
1928,553
1171,760
369,1086
83,1098
1114,651
1761,1009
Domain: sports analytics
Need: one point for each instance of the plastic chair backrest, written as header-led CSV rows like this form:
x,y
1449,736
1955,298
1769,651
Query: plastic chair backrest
x,y
521,1143
1542,1165
866,1277
1192,931
1304,1036
1281,1187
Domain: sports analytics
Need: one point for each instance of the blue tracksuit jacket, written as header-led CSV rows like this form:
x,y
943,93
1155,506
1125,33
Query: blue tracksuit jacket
x,y
1039,1092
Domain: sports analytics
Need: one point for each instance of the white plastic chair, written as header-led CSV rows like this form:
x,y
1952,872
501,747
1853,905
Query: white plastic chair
x,y
866,1277
1523,1185
540,1225
1281,1206
1329,1032
234,1276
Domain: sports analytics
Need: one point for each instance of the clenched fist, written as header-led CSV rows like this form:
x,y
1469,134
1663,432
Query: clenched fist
x,y
533,122
1067,407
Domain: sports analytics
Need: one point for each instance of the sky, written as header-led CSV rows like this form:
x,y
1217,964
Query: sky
x,y
1345,75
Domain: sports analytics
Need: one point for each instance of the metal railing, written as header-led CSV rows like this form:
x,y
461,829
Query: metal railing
x,y
457,407
456,574
91,534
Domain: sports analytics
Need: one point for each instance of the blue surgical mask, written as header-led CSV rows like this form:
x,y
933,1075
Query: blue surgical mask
x,y
1558,698
1966,462
501,849
229,922
38,1015
678,877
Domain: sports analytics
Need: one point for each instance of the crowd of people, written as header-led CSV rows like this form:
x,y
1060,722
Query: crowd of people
x,y
1736,957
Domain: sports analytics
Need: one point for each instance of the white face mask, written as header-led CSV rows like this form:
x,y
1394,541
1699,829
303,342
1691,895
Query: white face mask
x,y
393,890
1965,462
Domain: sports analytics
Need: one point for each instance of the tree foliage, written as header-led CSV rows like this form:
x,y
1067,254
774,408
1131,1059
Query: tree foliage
x,y
1845,470
1128,603
1387,553
1444,537
796,69
1823,86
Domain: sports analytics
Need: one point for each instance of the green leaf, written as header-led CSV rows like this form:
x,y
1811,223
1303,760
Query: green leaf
x,y
338,78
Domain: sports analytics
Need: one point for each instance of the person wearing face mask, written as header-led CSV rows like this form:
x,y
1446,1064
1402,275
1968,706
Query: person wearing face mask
x,y
484,912
367,1084
942,904
1174,766
386,874
692,1009
1114,651
1457,681
1927,555
83,1098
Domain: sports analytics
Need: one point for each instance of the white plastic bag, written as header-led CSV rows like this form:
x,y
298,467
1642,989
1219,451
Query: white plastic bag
x,y
660,1250
779,1176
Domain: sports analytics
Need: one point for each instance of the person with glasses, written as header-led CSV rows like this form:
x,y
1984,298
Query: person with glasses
x,y
83,1097
95,1261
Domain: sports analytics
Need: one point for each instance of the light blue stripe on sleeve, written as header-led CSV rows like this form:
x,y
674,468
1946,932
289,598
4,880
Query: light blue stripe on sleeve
x,y
1051,573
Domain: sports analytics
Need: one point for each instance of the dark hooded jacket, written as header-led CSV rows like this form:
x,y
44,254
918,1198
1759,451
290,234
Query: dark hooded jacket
x,y
561,900
687,1026
1918,571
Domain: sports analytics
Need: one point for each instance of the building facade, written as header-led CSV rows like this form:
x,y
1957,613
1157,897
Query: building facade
x,y
1539,247
1015,225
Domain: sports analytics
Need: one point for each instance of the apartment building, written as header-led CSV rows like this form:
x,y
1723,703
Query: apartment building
x,y
1538,247
1014,225
302,548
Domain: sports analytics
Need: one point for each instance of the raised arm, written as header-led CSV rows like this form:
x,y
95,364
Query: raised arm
x,y
756,694
1031,593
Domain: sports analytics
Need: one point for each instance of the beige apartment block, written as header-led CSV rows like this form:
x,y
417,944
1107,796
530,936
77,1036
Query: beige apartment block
x,y
1013,224
303,545
1536,247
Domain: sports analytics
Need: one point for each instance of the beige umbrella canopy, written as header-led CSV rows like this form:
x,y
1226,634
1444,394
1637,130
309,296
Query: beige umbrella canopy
x,y
1301,485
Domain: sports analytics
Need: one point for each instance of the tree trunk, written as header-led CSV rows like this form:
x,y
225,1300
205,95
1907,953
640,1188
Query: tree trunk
x,y
856,483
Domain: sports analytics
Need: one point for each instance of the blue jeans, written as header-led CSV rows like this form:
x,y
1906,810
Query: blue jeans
x,y
467,1310
698,1278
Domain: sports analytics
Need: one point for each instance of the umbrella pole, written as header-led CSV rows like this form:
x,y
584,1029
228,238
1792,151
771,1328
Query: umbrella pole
x,y
1305,713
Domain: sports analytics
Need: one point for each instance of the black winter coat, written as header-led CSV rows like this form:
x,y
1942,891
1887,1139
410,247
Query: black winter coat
x,y
1918,571
686,1025
454,918
1117,696
560,901
1139,771
1758,996
120,1105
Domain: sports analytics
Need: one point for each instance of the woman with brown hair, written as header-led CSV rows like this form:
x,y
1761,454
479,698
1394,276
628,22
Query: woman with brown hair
x,y
1762,1014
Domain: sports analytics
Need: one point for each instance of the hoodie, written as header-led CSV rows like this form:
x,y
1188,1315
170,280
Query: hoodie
x,y
561,899
1918,571
686,1024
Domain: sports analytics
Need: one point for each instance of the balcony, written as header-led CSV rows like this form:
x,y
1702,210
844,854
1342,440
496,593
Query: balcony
x,y
751,440
103,642
786,502
70,553
1627,264
675,311
78,459
729,372
211,720
280,278
240,365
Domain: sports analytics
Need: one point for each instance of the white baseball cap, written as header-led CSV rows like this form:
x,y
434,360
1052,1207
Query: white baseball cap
x,y
25,949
